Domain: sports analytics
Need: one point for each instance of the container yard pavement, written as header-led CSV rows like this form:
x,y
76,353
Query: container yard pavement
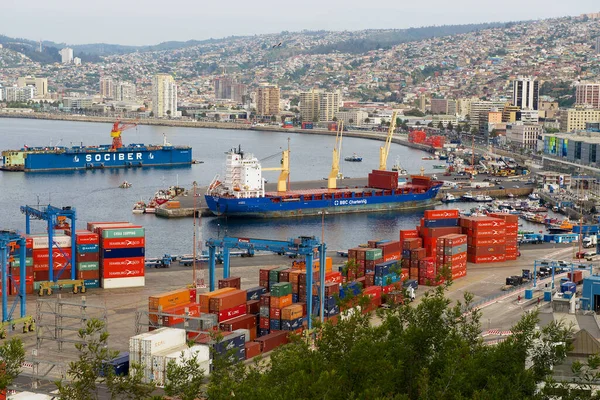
x,y
121,304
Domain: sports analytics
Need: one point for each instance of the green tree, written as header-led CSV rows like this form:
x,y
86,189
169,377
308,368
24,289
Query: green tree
x,y
367,120
450,126
12,355
430,124
184,380
217,117
273,118
474,130
440,125
334,119
413,112
351,121
459,128
151,114
94,353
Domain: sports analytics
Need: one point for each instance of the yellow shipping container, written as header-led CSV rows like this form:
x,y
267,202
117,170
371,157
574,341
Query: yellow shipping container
x,y
291,312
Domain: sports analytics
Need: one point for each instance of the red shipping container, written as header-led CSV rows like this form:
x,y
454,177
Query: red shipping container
x,y
85,237
404,274
389,288
486,232
193,293
486,259
414,272
392,256
413,243
333,277
272,340
123,243
284,276
232,312
508,218
243,322
459,273
252,349
13,287
511,226
511,249
264,323
40,276
483,222
88,275
372,243
485,250
408,234
87,257
46,267
41,256
275,313
437,232
253,307
227,300
454,240
123,271
486,241
192,308
370,279
234,282
91,226
441,214
123,262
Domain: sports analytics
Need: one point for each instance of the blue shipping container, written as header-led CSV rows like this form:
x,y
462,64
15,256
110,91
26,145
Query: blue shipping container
x,y
405,253
295,297
124,253
441,223
353,288
568,287
291,325
235,340
91,283
263,332
255,292
87,248
388,279
381,270
275,324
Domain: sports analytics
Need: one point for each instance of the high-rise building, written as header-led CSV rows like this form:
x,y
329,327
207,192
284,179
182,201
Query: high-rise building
x,y
107,88
125,91
66,55
318,105
598,45
267,100
574,119
41,84
226,88
526,93
164,96
588,94
19,94
443,106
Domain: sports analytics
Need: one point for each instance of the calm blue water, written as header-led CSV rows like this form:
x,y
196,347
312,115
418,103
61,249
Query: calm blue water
x,y
96,197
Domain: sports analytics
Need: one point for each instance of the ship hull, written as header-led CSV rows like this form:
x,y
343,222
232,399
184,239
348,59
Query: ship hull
x,y
80,159
267,207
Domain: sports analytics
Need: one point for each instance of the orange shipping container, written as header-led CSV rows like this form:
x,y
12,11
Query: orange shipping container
x,y
441,214
486,259
486,241
169,299
414,272
204,298
291,312
227,300
459,273
280,302
170,320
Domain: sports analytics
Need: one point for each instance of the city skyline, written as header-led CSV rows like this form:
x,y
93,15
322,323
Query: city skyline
x,y
135,26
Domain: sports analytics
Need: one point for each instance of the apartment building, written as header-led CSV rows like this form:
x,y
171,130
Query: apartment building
x,y
41,84
164,96
574,119
523,135
267,100
588,94
318,105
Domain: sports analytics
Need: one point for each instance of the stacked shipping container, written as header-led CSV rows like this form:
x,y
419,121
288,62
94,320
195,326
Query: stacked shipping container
x,y
486,239
87,258
452,254
511,225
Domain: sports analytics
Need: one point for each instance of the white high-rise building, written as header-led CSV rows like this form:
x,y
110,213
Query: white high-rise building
x,y
66,55
526,93
164,96
107,88
319,106
125,91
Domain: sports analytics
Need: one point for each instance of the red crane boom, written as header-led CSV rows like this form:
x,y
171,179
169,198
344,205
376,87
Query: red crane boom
x,y
115,133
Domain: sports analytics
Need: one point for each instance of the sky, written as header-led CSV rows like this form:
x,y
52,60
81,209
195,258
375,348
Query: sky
x,y
153,21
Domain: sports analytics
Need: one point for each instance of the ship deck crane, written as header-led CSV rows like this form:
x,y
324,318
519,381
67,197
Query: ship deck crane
x,y
285,171
9,240
55,216
385,150
115,133
304,245
335,163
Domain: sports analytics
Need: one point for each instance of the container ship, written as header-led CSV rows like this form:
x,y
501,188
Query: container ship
x,y
115,155
242,192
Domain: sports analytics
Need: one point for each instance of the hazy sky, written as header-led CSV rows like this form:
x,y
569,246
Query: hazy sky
x,y
152,21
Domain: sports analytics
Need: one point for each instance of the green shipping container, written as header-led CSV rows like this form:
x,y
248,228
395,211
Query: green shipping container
x,y
121,233
281,289
17,262
88,266
274,274
373,254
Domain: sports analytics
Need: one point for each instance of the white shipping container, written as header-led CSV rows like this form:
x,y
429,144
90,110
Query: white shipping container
x,y
246,333
119,283
41,241
165,339
200,352
135,346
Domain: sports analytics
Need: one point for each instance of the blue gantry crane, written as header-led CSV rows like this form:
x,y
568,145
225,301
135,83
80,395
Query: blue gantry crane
x,y
10,241
303,245
55,217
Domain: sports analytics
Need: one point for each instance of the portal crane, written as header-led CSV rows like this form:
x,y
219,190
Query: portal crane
x,y
285,171
303,245
385,150
119,127
335,163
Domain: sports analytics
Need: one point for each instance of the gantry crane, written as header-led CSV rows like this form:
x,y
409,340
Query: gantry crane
x,y
10,240
385,150
304,245
285,171
335,163
115,133
55,216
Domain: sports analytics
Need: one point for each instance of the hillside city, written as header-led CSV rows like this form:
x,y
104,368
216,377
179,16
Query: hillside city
x,y
510,82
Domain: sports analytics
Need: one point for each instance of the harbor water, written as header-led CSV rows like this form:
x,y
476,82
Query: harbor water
x,y
97,197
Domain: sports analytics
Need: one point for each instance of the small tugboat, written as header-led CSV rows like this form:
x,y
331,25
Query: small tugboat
x,y
125,185
481,198
467,197
353,158
564,227
398,168
449,198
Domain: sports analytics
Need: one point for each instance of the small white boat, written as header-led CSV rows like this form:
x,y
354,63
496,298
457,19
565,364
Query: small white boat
x,y
533,196
139,207
125,185
467,197
398,167
449,198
